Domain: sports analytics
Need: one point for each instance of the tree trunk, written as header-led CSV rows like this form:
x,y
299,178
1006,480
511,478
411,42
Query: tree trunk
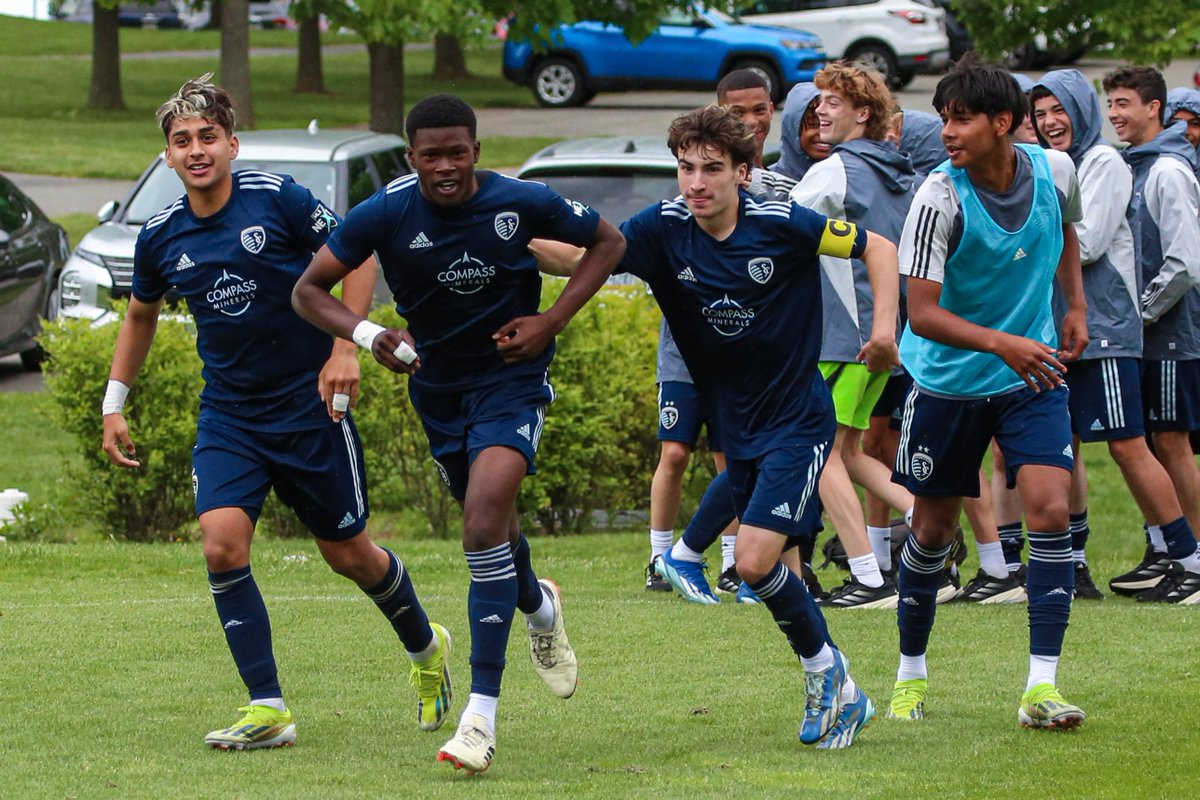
x,y
235,59
105,92
387,87
310,76
214,16
449,61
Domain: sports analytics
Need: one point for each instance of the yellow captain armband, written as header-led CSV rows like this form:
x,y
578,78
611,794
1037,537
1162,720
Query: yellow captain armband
x,y
838,238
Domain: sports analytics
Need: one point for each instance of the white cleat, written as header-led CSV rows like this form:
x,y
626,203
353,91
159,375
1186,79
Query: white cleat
x,y
550,651
472,747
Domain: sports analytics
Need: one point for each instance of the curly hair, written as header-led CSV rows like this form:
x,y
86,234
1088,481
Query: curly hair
x,y
716,127
862,87
198,98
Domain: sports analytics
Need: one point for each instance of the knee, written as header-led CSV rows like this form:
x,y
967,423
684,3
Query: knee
x,y
674,458
222,555
477,537
752,568
1048,514
349,563
933,534
1128,451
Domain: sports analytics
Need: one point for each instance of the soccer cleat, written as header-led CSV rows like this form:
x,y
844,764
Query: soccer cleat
x,y
261,726
950,587
853,594
472,746
1043,707
1146,575
853,719
687,578
987,590
730,581
908,700
654,581
746,595
550,651
822,704
1085,587
432,681
1178,586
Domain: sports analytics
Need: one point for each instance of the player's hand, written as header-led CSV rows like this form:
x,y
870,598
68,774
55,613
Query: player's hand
x,y
524,338
880,355
338,381
384,350
117,445
1032,360
1074,338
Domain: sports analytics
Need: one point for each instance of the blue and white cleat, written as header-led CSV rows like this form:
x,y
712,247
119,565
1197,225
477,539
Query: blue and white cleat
x,y
853,719
822,692
746,595
687,578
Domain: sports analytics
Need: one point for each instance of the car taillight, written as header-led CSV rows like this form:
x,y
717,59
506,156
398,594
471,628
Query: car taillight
x,y
911,15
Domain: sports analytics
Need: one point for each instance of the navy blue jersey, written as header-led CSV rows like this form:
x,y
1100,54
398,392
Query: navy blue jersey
x,y
746,313
458,274
236,270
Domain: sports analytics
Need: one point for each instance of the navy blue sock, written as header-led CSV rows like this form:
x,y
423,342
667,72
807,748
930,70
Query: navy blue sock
x,y
397,599
1049,583
919,575
1011,542
1181,542
243,614
786,596
491,602
1079,531
529,591
712,516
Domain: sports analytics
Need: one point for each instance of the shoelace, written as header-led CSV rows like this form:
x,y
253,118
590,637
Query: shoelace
x,y
473,735
543,648
814,690
424,678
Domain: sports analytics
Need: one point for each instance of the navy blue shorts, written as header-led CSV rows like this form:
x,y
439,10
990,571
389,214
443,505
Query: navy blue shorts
x,y
891,402
680,415
319,474
943,440
461,425
1106,399
1171,395
778,490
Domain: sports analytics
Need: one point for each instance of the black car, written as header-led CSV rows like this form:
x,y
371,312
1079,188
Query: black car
x,y
33,251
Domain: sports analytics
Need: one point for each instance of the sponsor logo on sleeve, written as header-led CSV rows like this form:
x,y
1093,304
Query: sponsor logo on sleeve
x,y
323,219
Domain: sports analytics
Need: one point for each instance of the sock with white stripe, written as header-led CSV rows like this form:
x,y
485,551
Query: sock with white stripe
x,y
1079,535
920,574
1050,583
1012,542
728,543
491,604
1181,544
243,615
794,611
397,599
712,516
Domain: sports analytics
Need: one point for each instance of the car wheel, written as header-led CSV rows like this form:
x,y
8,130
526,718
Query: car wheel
x,y
54,303
767,71
32,359
879,58
558,83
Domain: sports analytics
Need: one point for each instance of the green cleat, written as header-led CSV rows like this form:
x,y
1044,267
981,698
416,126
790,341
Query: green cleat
x,y
1043,707
262,726
908,700
432,681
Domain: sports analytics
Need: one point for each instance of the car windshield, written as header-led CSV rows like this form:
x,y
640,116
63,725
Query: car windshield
x,y
163,186
617,195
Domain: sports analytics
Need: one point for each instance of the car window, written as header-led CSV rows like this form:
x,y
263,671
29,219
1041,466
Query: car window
x,y
362,181
677,20
13,211
390,164
616,194
770,7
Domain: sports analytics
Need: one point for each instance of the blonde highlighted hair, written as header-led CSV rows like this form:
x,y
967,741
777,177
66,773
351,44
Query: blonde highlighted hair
x,y
198,98
862,87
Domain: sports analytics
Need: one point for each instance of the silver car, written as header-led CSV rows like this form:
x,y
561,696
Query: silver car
x,y
341,167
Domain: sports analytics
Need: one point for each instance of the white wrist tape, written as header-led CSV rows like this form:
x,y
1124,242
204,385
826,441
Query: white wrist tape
x,y
405,353
114,398
365,333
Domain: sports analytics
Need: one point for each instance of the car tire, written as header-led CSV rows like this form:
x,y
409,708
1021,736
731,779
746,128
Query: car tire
x,y
878,57
31,360
558,83
769,73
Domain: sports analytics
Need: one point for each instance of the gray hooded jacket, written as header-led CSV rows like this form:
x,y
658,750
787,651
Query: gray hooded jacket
x,y
793,161
921,140
1188,100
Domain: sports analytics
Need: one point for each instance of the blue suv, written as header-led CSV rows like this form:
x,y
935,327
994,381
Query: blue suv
x,y
687,51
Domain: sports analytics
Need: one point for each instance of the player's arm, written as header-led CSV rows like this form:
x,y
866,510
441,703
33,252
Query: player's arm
x,y
556,258
312,299
524,338
133,345
880,352
339,379
1172,202
1074,335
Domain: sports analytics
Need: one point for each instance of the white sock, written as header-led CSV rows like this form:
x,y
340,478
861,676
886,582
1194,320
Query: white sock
x,y
881,545
991,560
425,654
821,661
484,706
681,552
866,570
912,667
1190,563
727,544
273,702
660,542
542,620
1078,557
908,517
1157,542
1042,669
849,691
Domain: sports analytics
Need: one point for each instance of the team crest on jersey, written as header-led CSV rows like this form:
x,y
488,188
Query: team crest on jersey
x,y
668,416
323,219
467,275
232,294
254,239
506,224
921,465
728,317
761,269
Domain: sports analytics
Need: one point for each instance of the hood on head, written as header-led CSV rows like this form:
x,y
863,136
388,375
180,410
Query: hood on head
x,y
1023,80
921,140
1182,97
894,168
793,161
1171,142
1078,98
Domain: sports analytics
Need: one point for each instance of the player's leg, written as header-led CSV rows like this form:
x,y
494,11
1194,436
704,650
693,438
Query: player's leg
x,y
728,582
993,583
1009,516
679,420
684,561
879,442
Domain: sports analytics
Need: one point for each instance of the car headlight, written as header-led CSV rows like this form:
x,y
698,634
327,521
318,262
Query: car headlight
x,y
88,255
799,44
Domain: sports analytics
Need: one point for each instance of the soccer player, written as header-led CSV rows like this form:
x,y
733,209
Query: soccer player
x,y
1183,105
800,144
452,242
986,236
274,411
738,281
1165,221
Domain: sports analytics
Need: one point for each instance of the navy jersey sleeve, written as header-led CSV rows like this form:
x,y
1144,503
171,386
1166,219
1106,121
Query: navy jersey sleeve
x,y
643,241
149,283
555,217
826,236
355,239
310,221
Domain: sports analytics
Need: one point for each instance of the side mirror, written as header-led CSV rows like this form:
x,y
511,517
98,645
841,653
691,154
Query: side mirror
x,y
107,211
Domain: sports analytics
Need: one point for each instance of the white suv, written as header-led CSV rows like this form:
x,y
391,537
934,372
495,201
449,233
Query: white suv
x,y
897,37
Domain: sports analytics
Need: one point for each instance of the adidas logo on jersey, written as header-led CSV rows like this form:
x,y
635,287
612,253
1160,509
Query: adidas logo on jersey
x,y
524,431
421,241
492,619
347,521
686,275
1020,254
782,510
1097,425
184,263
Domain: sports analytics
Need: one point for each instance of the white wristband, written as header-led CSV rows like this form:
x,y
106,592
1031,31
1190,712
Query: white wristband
x,y
365,333
114,398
